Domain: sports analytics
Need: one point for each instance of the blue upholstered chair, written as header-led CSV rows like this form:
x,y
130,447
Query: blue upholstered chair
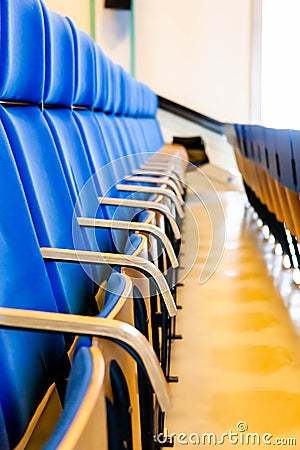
x,y
49,284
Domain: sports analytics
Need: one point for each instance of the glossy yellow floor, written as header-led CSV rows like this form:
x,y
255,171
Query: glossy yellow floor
x,y
239,360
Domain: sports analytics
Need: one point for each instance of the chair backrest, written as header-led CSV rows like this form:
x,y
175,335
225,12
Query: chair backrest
x,y
85,86
95,139
295,145
257,150
249,142
101,92
76,133
36,359
3,432
21,53
59,78
59,47
272,156
106,149
39,186
36,157
259,141
49,202
284,154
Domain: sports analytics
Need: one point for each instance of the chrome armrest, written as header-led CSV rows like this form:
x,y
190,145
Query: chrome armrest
x,y
158,173
159,165
95,327
152,180
140,264
133,226
144,204
154,190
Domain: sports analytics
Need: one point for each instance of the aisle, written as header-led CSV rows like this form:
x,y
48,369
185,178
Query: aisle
x,y
239,360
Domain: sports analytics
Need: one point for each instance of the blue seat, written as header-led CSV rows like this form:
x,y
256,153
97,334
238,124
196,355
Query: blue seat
x,y
41,300
13,68
73,147
122,133
84,406
28,375
266,180
48,196
295,142
70,147
3,433
259,143
118,132
259,136
29,362
290,160
63,130
37,209
34,153
271,153
96,140
285,158
279,163
241,139
75,157
248,142
26,129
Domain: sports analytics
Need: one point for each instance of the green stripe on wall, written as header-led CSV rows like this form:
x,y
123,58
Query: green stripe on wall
x,y
92,19
132,39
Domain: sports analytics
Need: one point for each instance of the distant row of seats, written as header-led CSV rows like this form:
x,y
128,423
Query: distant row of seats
x,y
269,161
91,207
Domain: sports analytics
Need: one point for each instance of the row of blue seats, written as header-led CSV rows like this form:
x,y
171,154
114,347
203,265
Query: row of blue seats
x,y
91,210
269,161
275,151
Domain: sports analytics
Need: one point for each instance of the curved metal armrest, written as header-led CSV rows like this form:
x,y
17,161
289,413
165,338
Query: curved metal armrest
x,y
144,204
142,265
165,166
96,327
151,180
167,154
152,190
158,173
133,226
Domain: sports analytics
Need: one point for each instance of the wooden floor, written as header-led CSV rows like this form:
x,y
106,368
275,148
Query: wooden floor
x,y
239,360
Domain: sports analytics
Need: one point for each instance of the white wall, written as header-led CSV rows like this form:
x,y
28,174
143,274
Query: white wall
x,y
281,63
113,33
197,53
77,10
112,26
